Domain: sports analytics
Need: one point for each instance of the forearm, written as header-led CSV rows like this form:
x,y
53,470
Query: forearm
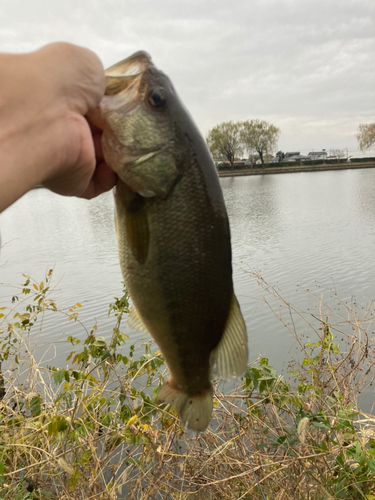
x,y
17,173
21,167
25,142
27,123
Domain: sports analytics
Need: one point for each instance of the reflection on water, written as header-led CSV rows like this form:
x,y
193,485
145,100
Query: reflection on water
x,y
303,230
365,198
253,209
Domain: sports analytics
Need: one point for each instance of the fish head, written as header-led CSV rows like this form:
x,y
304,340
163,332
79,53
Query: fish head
x,y
140,116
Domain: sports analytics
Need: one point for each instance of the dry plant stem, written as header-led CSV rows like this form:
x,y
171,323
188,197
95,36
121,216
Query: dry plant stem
x,y
116,442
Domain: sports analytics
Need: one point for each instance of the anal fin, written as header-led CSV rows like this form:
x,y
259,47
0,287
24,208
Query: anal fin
x,y
135,322
229,359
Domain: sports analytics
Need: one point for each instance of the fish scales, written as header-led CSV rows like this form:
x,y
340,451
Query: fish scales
x,y
173,235
196,289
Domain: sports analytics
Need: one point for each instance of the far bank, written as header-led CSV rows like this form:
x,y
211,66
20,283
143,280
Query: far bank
x,y
292,169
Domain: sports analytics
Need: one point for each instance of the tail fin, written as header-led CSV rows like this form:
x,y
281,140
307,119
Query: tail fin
x,y
195,411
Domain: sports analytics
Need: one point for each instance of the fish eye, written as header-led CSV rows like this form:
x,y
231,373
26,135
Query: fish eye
x,y
156,99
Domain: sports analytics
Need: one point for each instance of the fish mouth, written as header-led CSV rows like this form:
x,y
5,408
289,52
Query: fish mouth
x,y
122,74
123,88
133,65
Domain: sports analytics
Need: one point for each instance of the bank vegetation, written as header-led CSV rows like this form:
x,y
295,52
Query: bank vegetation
x,y
92,429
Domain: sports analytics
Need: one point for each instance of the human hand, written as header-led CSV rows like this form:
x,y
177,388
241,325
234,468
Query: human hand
x,y
44,135
79,81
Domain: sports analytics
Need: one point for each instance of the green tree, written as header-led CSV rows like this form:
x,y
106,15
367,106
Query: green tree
x,y
366,136
259,136
224,141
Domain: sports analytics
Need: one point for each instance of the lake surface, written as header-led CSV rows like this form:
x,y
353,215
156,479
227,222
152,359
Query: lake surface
x,y
300,231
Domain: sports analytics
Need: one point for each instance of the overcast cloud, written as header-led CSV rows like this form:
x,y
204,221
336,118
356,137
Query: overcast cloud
x,y
305,65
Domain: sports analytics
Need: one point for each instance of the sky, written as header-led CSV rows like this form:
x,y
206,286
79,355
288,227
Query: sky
x,y
307,66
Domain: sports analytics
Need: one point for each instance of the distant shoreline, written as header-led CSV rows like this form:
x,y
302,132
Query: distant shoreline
x,y
289,170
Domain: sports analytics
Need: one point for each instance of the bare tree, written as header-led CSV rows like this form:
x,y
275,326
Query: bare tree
x,y
366,136
338,153
224,141
259,136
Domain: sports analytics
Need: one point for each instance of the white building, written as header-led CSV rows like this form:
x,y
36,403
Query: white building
x,y
318,155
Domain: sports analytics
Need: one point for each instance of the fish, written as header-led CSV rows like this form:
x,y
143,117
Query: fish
x,y
173,235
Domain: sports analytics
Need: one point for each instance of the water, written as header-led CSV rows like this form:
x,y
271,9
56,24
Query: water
x,y
300,231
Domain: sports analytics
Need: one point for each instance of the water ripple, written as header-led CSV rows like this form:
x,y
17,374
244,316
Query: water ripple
x,y
303,230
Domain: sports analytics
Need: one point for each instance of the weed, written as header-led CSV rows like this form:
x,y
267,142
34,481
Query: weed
x,y
94,429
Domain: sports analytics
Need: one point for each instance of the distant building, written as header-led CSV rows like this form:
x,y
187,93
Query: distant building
x,y
275,159
318,155
290,154
300,157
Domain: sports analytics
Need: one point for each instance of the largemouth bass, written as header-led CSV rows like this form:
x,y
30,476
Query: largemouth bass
x,y
173,235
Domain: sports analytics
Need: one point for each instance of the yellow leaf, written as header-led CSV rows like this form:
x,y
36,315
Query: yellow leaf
x,y
132,419
78,304
41,286
35,286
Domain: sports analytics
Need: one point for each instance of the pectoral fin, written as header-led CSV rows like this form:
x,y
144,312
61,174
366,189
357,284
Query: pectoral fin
x,y
131,212
229,358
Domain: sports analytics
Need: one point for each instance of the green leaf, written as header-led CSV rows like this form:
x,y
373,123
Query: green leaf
x,y
371,464
106,354
340,459
58,376
320,426
315,361
132,461
334,348
35,406
306,362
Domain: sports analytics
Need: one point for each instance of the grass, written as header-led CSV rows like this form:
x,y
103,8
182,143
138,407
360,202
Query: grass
x,y
94,430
